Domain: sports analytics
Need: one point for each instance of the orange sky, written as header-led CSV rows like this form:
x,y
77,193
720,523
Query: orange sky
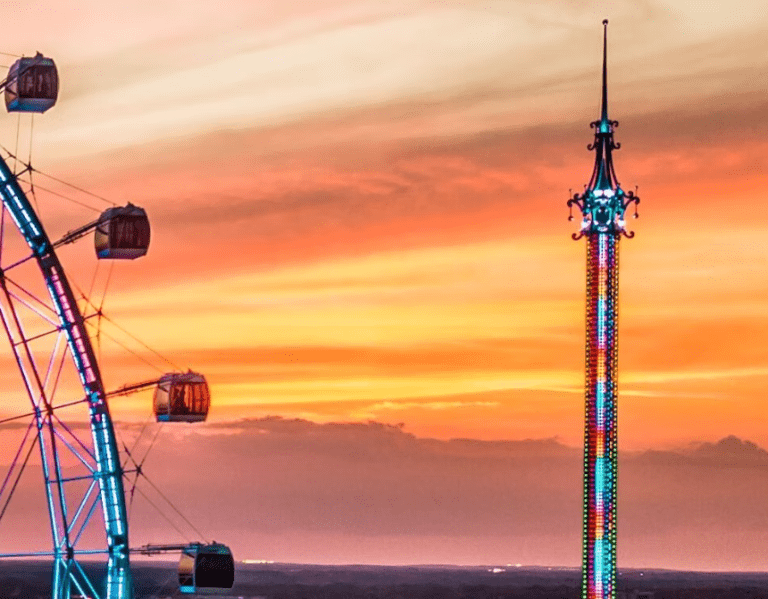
x,y
358,217
358,208
352,231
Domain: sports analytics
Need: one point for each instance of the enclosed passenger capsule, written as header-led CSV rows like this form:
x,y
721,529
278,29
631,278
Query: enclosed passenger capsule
x,y
181,397
122,233
206,567
32,85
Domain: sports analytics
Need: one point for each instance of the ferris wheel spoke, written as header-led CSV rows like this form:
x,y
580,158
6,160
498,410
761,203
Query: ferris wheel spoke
x,y
35,412
79,442
86,520
52,385
72,448
23,342
53,553
28,554
60,585
40,336
15,461
19,359
19,451
59,503
46,379
73,479
48,383
18,263
61,579
36,309
33,297
87,581
50,501
160,512
18,477
65,564
82,505
55,481
69,430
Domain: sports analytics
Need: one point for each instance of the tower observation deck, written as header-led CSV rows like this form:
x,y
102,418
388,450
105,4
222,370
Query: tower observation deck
x,y
603,205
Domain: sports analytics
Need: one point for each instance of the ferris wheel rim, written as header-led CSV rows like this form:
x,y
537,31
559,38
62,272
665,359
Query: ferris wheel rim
x,y
107,475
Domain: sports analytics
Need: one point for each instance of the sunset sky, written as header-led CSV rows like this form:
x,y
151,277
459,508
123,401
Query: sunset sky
x,y
358,216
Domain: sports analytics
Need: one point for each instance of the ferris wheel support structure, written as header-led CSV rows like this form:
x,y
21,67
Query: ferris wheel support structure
x,y
106,469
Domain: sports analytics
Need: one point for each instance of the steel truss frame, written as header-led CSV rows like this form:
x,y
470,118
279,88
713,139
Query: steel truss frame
x,y
79,473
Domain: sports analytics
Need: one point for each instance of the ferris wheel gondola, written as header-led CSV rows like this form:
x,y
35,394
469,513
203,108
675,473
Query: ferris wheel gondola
x,y
206,566
203,567
181,397
32,84
177,396
122,233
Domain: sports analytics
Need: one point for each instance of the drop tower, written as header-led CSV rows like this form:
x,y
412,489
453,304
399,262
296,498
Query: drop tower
x,y
603,205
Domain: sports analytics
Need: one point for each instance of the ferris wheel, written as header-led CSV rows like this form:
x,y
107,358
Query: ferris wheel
x,y
56,417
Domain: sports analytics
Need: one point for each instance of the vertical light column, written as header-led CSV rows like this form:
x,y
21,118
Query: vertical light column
x,y
600,467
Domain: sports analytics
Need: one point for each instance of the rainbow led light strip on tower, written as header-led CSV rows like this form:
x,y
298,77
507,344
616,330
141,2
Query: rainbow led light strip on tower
x,y
603,205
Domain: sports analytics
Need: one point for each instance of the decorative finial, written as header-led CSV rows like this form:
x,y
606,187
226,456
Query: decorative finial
x,y
603,203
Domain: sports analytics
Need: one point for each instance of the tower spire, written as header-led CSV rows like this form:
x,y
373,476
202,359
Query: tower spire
x,y
603,202
604,113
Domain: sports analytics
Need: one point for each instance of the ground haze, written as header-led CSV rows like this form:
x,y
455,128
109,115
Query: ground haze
x,y
31,580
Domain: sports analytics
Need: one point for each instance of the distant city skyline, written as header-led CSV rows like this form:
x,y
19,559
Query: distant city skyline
x,y
358,215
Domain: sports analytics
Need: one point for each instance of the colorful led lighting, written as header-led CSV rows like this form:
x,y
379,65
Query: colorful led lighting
x,y
602,206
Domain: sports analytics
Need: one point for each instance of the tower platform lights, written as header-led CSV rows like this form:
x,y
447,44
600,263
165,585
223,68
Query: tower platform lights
x,y
603,205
